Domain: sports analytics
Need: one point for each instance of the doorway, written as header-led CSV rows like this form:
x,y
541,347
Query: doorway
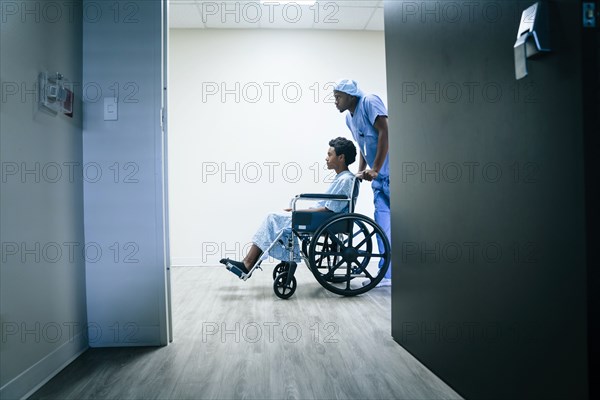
x,y
251,112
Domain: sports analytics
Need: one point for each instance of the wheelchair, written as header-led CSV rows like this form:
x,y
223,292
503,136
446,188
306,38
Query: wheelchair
x,y
338,248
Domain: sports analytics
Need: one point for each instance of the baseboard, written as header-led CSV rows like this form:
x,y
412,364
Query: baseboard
x,y
198,262
191,262
34,377
129,335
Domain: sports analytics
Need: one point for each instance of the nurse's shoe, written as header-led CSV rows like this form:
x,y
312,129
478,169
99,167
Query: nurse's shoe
x,y
237,267
385,282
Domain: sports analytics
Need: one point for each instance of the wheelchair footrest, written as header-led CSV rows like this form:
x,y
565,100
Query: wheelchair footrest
x,y
235,269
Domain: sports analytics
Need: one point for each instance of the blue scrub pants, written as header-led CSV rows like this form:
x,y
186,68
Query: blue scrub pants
x,y
381,200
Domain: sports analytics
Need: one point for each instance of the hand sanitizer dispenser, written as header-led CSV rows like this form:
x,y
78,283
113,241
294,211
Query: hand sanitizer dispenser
x,y
533,36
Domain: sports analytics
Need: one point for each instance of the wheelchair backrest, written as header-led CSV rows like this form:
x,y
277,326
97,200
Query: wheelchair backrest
x,y
354,194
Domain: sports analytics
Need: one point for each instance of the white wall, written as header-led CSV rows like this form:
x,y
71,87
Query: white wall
x,y
251,115
42,283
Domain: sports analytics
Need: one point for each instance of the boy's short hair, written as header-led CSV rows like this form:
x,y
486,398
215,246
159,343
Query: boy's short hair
x,y
344,146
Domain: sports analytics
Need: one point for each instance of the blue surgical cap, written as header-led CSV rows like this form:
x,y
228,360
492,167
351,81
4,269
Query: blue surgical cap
x,y
348,86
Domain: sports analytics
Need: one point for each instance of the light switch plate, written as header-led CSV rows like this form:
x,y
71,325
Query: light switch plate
x,y
111,109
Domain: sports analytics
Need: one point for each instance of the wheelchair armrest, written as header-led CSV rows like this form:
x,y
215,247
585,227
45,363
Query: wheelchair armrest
x,y
318,196
322,196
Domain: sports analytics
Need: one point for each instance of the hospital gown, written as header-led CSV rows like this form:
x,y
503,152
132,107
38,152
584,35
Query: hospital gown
x,y
275,223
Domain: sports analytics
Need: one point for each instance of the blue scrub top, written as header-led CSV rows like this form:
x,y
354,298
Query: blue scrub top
x,y
361,123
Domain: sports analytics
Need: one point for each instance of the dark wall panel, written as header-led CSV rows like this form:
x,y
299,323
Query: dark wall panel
x,y
488,198
591,122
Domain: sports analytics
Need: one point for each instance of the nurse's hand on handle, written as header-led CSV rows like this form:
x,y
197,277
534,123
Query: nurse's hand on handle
x,y
367,175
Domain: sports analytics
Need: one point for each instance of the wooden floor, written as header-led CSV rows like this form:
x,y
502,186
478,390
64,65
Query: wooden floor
x,y
236,340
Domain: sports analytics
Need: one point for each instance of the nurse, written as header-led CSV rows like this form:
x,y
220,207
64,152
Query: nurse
x,y
367,120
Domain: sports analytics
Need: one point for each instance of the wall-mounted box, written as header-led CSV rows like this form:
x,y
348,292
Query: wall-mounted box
x,y
55,93
533,36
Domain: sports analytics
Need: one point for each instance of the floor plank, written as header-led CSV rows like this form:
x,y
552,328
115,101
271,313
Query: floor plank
x,y
237,340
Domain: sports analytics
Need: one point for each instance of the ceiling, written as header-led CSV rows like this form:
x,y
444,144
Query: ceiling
x,y
257,14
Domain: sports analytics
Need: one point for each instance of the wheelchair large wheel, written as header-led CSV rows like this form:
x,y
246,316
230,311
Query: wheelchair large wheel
x,y
343,249
327,257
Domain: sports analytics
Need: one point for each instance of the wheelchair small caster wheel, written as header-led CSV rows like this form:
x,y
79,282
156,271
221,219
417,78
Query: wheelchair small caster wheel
x,y
280,287
280,269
